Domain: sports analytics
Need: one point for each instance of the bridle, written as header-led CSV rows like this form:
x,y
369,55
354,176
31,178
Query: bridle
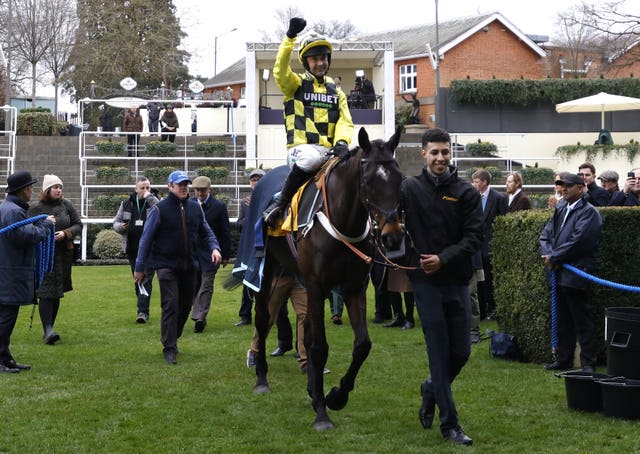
x,y
388,215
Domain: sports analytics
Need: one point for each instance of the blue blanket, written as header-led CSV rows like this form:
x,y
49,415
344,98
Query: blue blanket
x,y
249,259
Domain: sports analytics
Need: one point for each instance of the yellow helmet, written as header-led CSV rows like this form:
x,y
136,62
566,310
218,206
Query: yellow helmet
x,y
313,44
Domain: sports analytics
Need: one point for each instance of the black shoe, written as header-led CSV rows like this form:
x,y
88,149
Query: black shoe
x,y
198,327
428,408
394,324
377,319
589,369
336,319
51,338
408,325
243,322
11,364
170,357
8,370
142,318
458,436
280,351
557,366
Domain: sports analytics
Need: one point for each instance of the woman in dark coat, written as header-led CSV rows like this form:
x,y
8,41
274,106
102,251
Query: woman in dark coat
x,y
57,282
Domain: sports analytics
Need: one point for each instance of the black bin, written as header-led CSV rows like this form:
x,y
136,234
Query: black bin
x,y
622,331
621,398
583,390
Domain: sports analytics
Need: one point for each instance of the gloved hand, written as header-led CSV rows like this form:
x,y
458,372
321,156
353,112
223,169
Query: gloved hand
x,y
341,150
296,25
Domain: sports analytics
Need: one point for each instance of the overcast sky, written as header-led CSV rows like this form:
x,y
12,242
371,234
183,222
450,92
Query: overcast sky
x,y
204,19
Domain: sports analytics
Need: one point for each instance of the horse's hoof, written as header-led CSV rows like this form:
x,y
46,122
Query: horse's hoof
x,y
323,425
336,399
261,389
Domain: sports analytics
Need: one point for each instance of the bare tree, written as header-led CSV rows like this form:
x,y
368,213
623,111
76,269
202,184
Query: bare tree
x,y
577,38
333,29
56,57
33,31
617,23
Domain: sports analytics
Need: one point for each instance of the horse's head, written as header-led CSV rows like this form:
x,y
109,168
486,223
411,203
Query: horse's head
x,y
380,186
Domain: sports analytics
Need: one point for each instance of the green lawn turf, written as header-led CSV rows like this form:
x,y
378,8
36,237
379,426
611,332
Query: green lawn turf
x,y
105,388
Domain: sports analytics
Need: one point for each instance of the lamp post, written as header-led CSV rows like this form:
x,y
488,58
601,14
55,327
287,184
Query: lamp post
x,y
435,110
215,49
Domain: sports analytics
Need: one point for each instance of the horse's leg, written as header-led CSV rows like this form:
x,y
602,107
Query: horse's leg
x,y
317,352
356,304
262,326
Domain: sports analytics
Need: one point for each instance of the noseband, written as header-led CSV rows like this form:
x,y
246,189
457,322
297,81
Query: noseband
x,y
387,215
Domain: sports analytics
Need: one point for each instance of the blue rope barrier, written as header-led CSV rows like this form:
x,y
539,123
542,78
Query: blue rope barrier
x,y
601,281
45,250
590,277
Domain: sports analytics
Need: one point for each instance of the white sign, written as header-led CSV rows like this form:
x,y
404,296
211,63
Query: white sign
x,y
196,86
128,83
125,102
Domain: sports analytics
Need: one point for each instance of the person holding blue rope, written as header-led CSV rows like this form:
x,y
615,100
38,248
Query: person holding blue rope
x,y
18,271
572,236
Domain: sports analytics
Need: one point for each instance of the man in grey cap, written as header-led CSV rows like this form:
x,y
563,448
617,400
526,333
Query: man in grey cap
x,y
215,212
609,181
173,234
572,236
17,249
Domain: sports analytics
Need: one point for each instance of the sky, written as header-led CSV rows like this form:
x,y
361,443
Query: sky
x,y
203,20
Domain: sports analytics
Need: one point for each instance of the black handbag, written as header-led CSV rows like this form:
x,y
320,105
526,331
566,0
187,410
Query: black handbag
x,y
504,345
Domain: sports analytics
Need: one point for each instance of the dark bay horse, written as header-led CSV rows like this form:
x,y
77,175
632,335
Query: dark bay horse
x,y
336,252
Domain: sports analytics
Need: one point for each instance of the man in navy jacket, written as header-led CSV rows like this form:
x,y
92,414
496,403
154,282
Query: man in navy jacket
x,y
572,236
173,234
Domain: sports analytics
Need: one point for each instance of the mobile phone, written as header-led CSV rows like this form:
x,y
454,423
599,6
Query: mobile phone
x,y
631,174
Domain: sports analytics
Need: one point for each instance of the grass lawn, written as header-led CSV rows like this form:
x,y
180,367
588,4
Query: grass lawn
x,y
105,388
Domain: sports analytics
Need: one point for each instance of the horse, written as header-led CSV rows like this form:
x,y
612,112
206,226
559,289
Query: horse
x,y
336,251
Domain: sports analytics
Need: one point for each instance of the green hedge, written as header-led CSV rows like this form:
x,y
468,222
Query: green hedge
x,y
108,245
112,174
591,152
217,175
524,92
523,300
109,147
485,149
211,148
159,175
108,204
34,122
160,148
538,175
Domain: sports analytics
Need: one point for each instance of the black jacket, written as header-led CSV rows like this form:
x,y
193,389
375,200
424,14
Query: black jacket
x,y
215,212
597,195
443,216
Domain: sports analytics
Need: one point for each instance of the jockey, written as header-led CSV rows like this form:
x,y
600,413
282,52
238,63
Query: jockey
x,y
316,114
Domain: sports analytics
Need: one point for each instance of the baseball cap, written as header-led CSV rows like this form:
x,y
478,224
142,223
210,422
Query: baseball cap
x,y
570,178
178,176
256,173
201,182
609,175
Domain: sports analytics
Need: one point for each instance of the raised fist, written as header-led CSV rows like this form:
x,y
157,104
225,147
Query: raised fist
x,y
296,25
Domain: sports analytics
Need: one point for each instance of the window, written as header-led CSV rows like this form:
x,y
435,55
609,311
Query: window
x,y
408,78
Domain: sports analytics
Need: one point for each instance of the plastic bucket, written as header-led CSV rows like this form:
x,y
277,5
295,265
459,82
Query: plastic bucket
x,y
621,397
583,390
622,331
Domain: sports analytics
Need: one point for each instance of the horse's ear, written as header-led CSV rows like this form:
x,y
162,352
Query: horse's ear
x,y
395,138
363,139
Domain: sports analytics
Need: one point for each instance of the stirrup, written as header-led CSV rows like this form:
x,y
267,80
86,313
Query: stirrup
x,y
271,215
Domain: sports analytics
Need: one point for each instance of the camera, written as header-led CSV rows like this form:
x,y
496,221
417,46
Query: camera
x,y
631,174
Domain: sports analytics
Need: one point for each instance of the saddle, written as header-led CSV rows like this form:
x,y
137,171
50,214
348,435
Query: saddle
x,y
305,203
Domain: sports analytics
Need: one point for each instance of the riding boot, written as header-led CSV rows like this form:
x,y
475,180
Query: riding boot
x,y
46,308
396,304
294,180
